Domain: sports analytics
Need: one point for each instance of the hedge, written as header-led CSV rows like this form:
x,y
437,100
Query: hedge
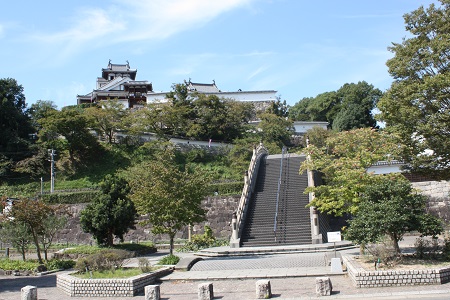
x,y
226,188
71,198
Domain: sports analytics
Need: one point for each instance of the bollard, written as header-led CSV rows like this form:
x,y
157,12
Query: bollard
x,y
7,252
29,292
205,291
323,286
263,290
152,292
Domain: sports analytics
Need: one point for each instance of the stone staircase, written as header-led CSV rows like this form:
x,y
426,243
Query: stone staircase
x,y
282,220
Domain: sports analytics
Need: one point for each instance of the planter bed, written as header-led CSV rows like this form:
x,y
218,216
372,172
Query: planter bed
x,y
363,279
120,287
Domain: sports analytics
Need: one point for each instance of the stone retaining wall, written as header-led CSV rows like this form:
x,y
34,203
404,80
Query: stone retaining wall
x,y
364,279
125,287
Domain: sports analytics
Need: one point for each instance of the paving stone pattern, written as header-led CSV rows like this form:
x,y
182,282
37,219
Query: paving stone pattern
x,y
262,262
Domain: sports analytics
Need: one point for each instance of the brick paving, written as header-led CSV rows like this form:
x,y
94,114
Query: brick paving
x,y
262,262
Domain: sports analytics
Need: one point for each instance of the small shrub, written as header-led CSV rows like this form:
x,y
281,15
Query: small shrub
x,y
446,250
202,241
7,264
426,248
169,260
144,265
57,264
107,259
140,249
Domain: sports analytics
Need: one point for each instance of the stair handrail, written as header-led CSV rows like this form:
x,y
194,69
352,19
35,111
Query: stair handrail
x,y
249,185
275,221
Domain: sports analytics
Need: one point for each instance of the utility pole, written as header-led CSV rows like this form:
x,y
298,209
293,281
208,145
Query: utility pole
x,y
52,154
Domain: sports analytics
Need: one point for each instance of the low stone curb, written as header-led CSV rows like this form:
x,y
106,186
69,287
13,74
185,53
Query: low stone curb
x,y
363,279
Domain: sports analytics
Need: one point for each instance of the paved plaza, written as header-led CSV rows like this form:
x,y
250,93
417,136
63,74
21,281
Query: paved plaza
x,y
292,276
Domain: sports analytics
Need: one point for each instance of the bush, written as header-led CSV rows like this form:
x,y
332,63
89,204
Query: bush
x,y
57,264
169,260
140,249
144,265
106,259
202,241
7,264
71,198
226,188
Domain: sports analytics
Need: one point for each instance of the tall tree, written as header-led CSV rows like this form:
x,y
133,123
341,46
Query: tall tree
x,y
33,214
16,234
107,117
73,126
167,194
348,108
389,206
111,214
417,105
343,163
15,125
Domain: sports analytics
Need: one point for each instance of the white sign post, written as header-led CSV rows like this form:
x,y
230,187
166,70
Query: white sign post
x,y
335,236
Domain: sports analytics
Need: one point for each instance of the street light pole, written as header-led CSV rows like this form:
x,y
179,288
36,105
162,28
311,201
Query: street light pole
x,y
52,154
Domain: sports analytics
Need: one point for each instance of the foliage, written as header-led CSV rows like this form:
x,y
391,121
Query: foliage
x,y
390,207
71,198
57,264
144,265
169,260
202,241
17,234
348,108
106,259
15,125
111,214
168,194
226,188
40,110
107,117
33,214
426,248
343,163
275,129
110,274
143,248
12,264
73,125
417,105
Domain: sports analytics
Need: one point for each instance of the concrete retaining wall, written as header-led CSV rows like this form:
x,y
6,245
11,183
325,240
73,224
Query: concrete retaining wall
x,y
128,287
365,279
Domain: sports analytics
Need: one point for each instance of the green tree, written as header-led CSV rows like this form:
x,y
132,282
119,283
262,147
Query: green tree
x,y
167,194
15,125
107,117
40,110
348,108
50,227
17,234
343,163
390,207
275,129
111,214
73,126
417,105
33,214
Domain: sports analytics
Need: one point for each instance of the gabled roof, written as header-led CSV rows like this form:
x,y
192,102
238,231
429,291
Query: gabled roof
x,y
119,68
114,83
202,87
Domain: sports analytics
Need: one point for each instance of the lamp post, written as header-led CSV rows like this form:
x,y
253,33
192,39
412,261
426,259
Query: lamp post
x,y
52,154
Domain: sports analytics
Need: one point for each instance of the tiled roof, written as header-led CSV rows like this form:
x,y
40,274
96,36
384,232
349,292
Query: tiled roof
x,y
203,87
116,81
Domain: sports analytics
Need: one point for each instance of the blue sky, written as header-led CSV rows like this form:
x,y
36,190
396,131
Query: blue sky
x,y
56,49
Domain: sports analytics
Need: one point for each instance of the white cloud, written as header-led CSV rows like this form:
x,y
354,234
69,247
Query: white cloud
x,y
133,20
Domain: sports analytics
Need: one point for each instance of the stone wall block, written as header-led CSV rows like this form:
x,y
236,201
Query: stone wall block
x,y
152,292
263,290
28,292
323,286
205,291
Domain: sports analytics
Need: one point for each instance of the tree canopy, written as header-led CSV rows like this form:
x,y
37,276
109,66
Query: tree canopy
x,y
390,207
348,108
111,214
417,105
168,194
343,163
